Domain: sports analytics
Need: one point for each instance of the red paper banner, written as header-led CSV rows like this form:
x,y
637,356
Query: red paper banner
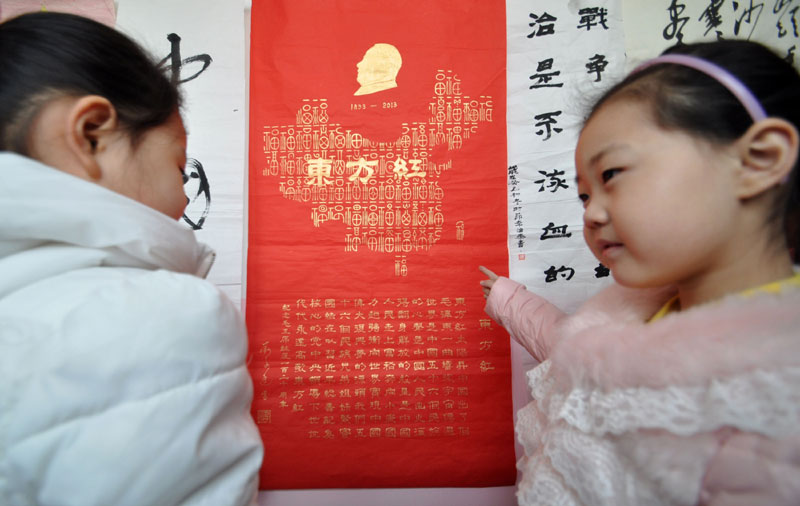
x,y
377,186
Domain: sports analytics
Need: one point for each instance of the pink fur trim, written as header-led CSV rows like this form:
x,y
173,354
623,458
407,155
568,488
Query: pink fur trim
x,y
723,338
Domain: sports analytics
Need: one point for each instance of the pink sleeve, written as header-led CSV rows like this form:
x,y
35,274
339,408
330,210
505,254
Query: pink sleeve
x,y
528,317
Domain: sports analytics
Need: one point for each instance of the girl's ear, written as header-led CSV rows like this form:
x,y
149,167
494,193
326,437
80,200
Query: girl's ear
x,y
768,152
91,124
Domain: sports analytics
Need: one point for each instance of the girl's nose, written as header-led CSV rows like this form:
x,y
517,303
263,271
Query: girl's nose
x,y
595,214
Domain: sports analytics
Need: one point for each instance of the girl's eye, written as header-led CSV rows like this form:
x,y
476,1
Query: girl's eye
x,y
609,173
584,197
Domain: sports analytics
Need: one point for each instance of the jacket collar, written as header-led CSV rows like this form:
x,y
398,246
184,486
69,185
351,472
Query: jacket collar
x,y
44,210
732,335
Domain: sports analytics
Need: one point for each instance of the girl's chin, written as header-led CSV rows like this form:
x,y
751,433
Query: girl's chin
x,y
633,281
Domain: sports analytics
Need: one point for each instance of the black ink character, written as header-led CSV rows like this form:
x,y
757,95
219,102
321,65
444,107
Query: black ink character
x,y
597,64
593,16
674,30
601,271
782,32
176,63
198,193
552,273
547,120
780,4
546,25
712,16
747,17
551,231
552,180
198,204
543,78
789,58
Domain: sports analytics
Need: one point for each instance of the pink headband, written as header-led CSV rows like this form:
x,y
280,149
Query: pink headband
x,y
725,78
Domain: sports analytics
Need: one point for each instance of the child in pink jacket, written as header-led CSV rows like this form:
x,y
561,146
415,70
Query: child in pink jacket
x,y
680,384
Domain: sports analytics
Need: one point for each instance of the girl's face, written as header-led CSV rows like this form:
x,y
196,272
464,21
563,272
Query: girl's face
x,y
151,171
659,206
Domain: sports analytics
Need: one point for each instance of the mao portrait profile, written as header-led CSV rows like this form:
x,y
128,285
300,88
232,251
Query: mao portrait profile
x,y
377,70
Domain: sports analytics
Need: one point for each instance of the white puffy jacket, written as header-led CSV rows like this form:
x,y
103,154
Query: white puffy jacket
x,y
122,372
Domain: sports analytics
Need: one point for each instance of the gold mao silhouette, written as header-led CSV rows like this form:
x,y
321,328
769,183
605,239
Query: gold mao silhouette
x,y
378,69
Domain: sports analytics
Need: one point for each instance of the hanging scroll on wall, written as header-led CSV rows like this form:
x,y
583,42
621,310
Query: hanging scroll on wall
x,y
652,27
561,56
210,74
377,186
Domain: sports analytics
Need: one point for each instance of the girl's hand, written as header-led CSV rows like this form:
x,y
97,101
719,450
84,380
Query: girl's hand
x,y
486,284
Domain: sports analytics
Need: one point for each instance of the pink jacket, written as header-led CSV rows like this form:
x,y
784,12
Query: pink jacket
x,y
700,407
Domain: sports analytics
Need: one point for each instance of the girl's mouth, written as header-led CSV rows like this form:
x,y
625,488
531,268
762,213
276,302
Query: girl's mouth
x,y
609,250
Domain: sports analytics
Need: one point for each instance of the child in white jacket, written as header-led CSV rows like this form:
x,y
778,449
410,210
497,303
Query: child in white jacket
x,y
122,371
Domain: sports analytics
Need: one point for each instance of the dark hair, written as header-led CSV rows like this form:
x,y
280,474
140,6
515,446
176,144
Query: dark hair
x,y
45,55
682,98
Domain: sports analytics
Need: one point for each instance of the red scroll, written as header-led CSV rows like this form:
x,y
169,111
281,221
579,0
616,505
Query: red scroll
x,y
377,186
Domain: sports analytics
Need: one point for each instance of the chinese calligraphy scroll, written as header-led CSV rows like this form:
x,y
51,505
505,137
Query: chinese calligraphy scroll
x,y
377,186
561,56
210,72
652,27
